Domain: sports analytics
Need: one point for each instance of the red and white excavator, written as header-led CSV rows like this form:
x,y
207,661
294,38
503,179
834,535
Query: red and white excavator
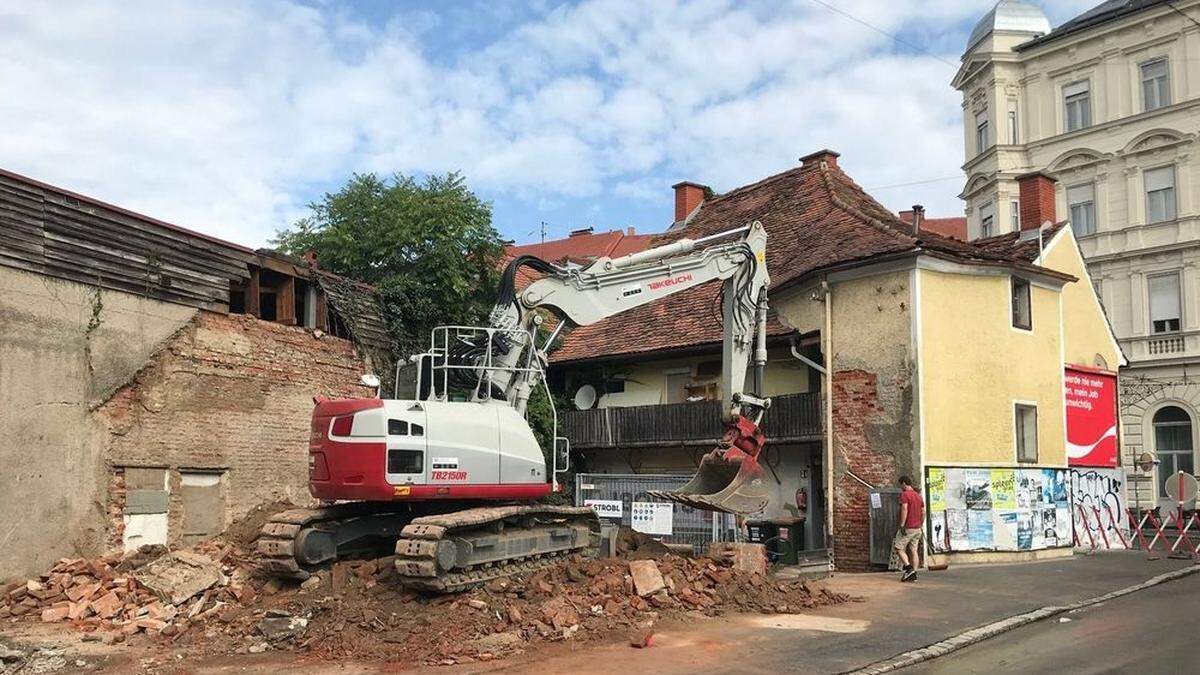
x,y
453,475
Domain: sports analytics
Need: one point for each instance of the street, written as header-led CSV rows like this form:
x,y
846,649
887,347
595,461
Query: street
x,y
1144,632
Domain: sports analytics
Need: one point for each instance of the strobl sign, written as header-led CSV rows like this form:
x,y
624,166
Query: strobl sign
x,y
1091,401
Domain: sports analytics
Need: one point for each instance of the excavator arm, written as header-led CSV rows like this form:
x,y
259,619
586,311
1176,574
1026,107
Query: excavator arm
x,y
729,478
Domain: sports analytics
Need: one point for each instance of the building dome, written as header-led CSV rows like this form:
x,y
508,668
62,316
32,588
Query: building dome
x,y
1010,15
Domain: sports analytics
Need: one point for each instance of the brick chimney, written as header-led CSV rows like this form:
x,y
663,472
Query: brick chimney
x,y
1036,200
688,196
826,157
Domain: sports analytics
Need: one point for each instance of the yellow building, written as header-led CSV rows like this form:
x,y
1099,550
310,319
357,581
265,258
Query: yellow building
x,y
897,352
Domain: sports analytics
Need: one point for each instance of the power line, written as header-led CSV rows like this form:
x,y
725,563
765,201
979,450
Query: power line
x,y
883,32
917,182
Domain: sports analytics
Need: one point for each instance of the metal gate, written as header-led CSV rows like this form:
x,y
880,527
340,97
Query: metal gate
x,y
686,526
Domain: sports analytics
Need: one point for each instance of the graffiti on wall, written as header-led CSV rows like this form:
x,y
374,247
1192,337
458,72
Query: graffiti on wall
x,y
1098,506
998,509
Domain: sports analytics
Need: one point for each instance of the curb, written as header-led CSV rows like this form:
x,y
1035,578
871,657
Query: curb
x,y
995,628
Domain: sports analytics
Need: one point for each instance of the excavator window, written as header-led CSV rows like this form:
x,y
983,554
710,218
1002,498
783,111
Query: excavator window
x,y
405,461
397,428
418,430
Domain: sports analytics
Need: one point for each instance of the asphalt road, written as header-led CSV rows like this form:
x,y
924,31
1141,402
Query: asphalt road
x,y
1145,632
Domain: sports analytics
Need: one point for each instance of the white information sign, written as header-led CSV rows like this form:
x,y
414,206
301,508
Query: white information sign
x,y
652,517
606,508
876,501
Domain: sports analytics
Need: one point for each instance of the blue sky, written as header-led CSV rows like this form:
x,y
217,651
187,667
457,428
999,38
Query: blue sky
x,y
229,117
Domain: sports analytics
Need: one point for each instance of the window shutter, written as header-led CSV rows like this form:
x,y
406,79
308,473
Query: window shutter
x,y
1075,88
1164,297
1160,179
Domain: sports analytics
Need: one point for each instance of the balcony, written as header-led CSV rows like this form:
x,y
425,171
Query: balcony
x,y
1163,346
792,417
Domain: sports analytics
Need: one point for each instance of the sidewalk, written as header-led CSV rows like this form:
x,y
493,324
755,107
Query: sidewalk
x,y
895,618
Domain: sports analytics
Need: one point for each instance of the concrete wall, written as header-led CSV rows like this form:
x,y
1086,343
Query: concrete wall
x,y
974,370
63,348
229,396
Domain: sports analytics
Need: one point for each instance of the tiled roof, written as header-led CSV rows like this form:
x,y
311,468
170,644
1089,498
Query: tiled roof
x,y
1011,245
817,218
955,228
584,247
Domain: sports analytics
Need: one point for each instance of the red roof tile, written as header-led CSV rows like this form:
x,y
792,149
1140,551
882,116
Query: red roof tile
x,y
955,228
816,217
584,247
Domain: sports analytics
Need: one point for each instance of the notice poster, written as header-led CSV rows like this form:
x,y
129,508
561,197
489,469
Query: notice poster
x,y
979,530
1004,489
1024,531
1004,530
958,527
977,489
1091,402
936,490
1008,509
652,517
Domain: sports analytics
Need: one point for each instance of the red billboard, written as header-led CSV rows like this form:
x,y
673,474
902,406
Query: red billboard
x,y
1091,399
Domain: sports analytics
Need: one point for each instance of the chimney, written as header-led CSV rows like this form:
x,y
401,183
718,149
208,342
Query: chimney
x,y
918,218
1037,200
630,231
688,196
821,157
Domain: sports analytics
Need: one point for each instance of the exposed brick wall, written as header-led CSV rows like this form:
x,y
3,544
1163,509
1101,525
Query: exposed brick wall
x,y
855,406
115,510
233,394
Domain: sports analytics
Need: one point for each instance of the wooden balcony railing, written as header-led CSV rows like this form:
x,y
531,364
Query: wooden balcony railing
x,y
792,417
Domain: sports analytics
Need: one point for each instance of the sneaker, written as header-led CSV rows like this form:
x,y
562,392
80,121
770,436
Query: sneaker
x,y
910,575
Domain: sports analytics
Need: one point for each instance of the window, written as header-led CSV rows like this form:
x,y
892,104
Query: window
x,y
1022,312
1164,303
1077,101
1173,442
615,385
1156,85
987,214
405,461
676,386
1081,203
1013,137
397,428
1160,194
981,132
418,430
1016,215
1026,432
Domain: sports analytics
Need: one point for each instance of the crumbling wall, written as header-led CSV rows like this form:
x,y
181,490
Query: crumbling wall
x,y
229,397
64,347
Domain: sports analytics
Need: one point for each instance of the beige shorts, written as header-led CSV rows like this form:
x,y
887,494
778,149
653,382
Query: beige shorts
x,y
905,536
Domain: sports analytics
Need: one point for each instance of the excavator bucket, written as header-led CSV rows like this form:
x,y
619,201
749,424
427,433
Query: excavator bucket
x,y
730,478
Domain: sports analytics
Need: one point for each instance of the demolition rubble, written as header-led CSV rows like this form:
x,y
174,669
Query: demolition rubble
x,y
210,601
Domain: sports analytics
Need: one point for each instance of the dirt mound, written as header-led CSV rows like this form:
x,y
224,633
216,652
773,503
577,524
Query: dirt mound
x,y
243,531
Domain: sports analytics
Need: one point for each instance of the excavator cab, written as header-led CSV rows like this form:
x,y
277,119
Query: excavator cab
x,y
730,478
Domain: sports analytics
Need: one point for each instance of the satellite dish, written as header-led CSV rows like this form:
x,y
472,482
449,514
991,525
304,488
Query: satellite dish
x,y
585,398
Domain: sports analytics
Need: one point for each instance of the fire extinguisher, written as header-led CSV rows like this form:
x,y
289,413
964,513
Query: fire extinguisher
x,y
802,500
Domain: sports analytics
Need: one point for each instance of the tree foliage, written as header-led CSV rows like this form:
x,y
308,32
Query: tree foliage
x,y
428,246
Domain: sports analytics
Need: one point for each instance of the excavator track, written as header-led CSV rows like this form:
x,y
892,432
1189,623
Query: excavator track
x,y
457,551
293,543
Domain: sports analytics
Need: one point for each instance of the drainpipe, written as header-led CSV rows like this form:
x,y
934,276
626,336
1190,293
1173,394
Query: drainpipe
x,y
827,352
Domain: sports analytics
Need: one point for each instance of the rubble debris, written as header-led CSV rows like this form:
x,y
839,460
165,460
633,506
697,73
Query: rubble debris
x,y
634,545
278,625
743,556
647,579
180,576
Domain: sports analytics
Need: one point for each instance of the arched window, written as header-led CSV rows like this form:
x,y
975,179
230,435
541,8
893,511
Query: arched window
x,y
1173,441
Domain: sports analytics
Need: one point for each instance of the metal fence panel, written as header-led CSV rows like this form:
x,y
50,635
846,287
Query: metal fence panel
x,y
688,526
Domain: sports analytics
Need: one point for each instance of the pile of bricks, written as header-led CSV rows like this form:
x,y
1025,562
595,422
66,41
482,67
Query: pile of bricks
x,y
106,596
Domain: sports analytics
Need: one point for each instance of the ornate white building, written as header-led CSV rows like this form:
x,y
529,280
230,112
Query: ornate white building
x,y
1108,104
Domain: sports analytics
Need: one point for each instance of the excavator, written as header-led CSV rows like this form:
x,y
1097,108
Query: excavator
x,y
454,475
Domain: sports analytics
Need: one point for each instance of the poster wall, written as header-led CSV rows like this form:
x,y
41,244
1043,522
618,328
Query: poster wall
x,y
998,509
1091,401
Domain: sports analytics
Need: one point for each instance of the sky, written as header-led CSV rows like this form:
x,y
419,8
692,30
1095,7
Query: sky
x,y
230,117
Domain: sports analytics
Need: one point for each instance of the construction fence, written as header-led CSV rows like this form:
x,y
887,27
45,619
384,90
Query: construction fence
x,y
621,499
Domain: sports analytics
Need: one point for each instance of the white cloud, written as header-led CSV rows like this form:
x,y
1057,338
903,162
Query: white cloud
x,y
225,116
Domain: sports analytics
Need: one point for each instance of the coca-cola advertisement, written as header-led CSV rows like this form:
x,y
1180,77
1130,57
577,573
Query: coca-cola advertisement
x,y
1091,399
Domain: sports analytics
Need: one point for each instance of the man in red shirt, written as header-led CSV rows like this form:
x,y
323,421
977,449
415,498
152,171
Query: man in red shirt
x,y
908,537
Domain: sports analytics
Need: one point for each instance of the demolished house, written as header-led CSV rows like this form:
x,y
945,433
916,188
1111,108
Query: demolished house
x,y
156,383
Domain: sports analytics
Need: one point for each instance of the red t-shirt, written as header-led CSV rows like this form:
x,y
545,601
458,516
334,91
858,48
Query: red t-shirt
x,y
916,508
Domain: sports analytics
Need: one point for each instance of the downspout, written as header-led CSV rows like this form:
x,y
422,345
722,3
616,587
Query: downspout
x,y
827,352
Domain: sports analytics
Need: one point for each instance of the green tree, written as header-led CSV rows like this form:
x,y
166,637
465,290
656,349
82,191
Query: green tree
x,y
428,246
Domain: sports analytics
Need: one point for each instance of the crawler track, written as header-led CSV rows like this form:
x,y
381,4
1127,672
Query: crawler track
x,y
456,551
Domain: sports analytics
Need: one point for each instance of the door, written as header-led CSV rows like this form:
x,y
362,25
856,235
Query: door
x,y
203,505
